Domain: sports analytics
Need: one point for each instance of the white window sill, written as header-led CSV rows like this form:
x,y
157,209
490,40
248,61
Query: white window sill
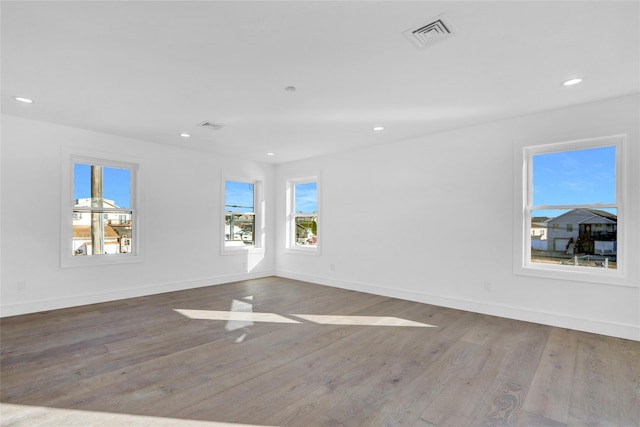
x,y
94,260
241,250
612,277
303,250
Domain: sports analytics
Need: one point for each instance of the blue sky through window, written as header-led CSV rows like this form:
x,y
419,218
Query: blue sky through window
x,y
578,177
238,196
116,184
306,197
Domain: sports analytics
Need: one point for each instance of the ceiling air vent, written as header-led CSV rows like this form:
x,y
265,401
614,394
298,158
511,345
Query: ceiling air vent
x,y
211,125
438,29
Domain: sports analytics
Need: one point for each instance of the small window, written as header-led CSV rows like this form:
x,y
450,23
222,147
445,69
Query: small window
x,y
242,215
100,220
303,217
577,188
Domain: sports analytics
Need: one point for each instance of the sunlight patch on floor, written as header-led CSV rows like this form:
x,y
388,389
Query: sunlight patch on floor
x,y
44,416
246,318
240,316
324,319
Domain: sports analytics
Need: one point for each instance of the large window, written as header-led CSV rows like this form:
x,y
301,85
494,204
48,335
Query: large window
x,y
573,192
100,220
242,219
303,214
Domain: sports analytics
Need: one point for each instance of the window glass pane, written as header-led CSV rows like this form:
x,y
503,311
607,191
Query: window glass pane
x,y
306,230
239,221
306,197
81,181
238,196
581,237
239,227
116,186
575,177
101,232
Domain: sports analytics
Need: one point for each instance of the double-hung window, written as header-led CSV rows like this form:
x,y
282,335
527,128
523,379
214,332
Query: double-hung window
x,y
100,217
303,214
574,191
243,222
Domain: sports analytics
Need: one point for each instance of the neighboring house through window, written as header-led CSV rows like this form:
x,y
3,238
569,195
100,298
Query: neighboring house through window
x,y
577,187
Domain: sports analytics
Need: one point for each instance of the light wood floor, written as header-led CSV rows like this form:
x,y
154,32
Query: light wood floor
x,y
279,352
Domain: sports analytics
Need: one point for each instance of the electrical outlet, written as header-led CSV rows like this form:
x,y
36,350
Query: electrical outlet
x,y
332,267
22,285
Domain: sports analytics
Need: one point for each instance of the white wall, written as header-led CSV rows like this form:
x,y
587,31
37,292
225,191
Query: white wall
x,y
447,187
182,213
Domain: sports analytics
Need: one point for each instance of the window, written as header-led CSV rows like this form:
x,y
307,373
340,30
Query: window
x,y
100,220
575,189
303,229
242,222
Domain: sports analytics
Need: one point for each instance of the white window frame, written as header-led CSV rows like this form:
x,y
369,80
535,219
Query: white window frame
x,y
259,215
290,234
71,156
523,206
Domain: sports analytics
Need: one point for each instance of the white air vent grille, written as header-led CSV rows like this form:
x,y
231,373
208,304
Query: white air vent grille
x,y
211,125
438,29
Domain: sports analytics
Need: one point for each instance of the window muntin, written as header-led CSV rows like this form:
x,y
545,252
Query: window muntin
x,y
575,189
240,214
102,213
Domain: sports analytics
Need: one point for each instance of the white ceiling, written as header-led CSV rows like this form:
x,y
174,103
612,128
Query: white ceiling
x,y
153,69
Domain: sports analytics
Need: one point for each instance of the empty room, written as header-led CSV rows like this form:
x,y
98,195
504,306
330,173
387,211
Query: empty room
x,y
320,213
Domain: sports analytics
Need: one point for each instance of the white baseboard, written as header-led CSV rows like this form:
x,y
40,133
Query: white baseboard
x,y
94,298
619,330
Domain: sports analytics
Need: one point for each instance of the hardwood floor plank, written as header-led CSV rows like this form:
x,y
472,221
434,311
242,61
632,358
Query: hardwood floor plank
x,y
502,404
550,393
528,419
472,380
625,356
593,397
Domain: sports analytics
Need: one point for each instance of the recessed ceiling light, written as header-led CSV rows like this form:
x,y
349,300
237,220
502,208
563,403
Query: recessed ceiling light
x,y
185,135
23,99
290,89
271,154
378,128
572,82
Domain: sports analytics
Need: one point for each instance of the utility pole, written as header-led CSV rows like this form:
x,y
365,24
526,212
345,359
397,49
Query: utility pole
x,y
97,223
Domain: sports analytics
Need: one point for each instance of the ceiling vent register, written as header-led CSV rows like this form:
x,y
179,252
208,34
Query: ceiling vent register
x,y
439,29
211,125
